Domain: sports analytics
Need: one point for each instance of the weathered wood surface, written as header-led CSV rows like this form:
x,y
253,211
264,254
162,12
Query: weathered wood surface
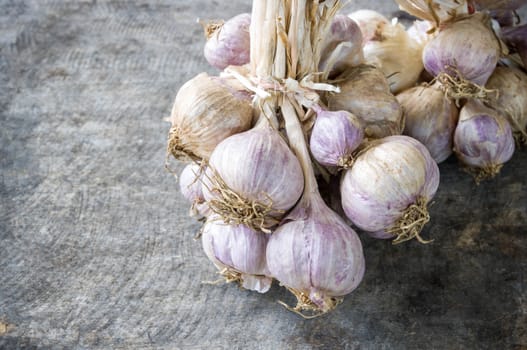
x,y
97,251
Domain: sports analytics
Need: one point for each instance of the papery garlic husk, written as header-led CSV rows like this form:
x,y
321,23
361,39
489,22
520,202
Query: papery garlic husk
x,y
370,22
190,188
464,53
499,4
316,255
396,54
437,11
253,178
206,111
228,43
238,252
420,32
511,98
387,190
334,138
365,93
483,140
430,117
516,39
341,47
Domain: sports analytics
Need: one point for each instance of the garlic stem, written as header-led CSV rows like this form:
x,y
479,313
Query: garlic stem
x,y
257,20
298,144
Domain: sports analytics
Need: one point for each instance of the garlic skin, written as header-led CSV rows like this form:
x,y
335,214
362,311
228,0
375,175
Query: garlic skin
x,y
483,139
431,118
370,23
499,4
257,168
190,188
238,249
511,99
334,138
437,12
206,111
396,54
393,177
342,47
316,254
365,93
468,45
228,43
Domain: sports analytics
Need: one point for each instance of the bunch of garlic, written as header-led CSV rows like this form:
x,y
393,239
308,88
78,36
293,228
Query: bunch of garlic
x,y
308,97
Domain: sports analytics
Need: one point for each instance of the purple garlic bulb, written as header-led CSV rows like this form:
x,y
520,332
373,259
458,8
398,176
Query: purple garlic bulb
x,y
342,46
238,252
228,43
190,187
316,255
483,140
430,117
253,178
387,190
334,138
466,48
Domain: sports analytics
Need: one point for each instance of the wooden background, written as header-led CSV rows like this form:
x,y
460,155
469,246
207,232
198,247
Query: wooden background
x,y
97,251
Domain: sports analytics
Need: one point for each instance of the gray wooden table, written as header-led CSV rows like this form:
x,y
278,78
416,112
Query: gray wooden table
x,y
97,251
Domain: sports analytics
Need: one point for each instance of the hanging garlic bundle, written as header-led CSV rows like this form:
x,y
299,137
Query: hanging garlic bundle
x,y
463,55
365,93
387,191
228,43
206,111
394,52
483,140
238,252
511,98
430,117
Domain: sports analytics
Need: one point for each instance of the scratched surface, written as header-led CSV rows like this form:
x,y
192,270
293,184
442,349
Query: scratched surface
x,y
97,251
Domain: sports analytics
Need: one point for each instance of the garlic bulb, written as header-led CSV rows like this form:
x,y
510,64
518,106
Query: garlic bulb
x,y
316,255
313,252
341,47
366,94
387,190
253,178
334,138
228,43
511,98
190,187
430,117
437,11
238,252
467,50
206,111
396,54
483,140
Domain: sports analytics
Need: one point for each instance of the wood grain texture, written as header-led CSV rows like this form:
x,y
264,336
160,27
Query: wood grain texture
x,y
97,251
